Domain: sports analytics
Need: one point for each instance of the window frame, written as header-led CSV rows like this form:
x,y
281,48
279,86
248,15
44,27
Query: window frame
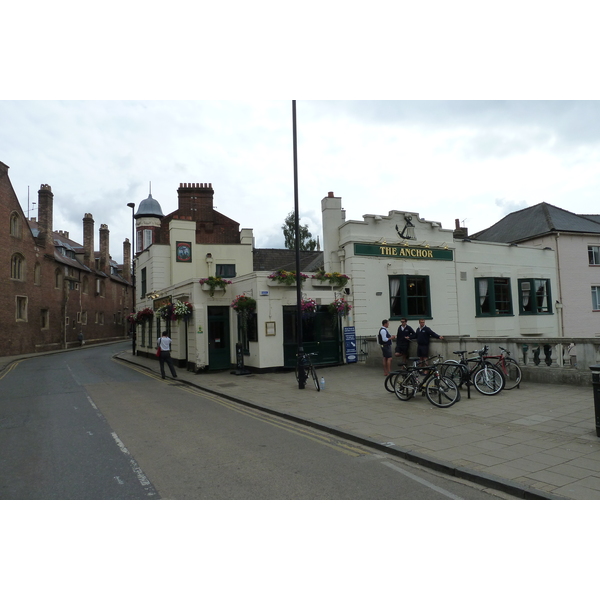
x,y
17,267
21,303
535,310
491,293
402,296
226,270
593,250
596,292
16,226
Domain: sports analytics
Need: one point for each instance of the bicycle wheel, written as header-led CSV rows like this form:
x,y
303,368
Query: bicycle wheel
x,y
390,380
442,392
313,372
488,380
453,370
405,387
512,374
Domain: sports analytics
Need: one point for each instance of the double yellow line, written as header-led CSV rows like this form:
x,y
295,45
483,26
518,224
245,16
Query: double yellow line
x,y
8,369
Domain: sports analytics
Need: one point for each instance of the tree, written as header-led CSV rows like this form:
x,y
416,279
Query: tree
x,y
289,233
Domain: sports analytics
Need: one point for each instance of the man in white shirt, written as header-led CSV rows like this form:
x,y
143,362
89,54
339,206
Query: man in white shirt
x,y
386,347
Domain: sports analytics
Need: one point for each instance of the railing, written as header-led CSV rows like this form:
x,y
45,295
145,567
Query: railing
x,y
549,360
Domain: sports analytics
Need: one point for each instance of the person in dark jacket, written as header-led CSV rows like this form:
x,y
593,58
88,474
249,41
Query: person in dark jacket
x,y
423,335
403,341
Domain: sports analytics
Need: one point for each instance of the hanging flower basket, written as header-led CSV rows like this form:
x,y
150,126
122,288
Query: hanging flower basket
x,y
340,307
146,314
165,312
182,310
308,306
243,303
335,279
286,277
211,284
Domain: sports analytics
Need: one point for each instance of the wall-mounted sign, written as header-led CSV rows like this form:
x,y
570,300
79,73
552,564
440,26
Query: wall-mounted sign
x,y
410,252
184,252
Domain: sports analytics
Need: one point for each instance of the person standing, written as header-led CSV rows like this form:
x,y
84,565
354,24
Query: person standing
x,y
403,340
423,335
386,346
164,343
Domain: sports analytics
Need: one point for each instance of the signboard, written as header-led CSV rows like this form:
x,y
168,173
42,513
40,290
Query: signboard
x,y
409,252
350,345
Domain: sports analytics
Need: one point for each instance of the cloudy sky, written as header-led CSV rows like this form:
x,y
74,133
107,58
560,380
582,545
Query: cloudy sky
x,y
474,161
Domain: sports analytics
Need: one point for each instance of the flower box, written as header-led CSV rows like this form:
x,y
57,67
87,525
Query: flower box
x,y
206,288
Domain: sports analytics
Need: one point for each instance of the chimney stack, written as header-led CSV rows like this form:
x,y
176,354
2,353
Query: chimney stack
x,y
104,255
45,209
88,241
127,260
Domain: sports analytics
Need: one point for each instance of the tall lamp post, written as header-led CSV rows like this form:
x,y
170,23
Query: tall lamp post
x,y
133,326
301,372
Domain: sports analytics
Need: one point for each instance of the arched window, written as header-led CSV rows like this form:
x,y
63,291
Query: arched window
x,y
37,274
17,267
15,225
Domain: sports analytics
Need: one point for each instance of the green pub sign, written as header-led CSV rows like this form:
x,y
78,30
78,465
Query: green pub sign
x,y
411,252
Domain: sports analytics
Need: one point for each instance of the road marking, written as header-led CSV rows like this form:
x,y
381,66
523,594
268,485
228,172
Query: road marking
x,y
145,482
423,481
9,369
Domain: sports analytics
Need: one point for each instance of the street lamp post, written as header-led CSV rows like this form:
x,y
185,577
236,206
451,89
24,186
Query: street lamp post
x,y
133,325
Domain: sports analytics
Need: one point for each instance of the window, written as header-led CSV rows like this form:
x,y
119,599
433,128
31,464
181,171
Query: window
x,y
45,318
15,225
57,279
21,308
17,267
594,255
143,284
147,238
534,296
493,297
596,297
225,270
85,285
409,297
37,274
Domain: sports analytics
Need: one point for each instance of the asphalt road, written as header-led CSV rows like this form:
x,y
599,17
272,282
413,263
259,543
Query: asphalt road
x,y
81,425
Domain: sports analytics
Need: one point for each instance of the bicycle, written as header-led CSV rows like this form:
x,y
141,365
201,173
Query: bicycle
x,y
391,378
309,369
487,380
441,391
508,366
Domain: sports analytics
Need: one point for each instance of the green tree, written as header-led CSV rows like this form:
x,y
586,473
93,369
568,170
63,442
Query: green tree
x,y
289,233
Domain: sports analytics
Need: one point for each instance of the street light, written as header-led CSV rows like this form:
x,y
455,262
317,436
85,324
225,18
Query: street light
x,y
133,329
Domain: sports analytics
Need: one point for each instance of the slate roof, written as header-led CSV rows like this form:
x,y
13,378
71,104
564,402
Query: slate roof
x,y
536,221
271,259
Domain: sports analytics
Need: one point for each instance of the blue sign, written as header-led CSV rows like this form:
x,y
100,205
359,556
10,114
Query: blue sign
x,y
350,345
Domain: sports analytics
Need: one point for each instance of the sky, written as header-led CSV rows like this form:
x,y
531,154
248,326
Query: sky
x,y
474,161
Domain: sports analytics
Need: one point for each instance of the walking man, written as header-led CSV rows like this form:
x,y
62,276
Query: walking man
x,y
164,343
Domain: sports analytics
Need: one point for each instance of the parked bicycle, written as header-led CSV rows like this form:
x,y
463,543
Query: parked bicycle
x,y
476,371
441,391
508,366
309,369
402,370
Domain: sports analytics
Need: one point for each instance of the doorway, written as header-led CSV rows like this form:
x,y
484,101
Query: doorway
x,y
219,352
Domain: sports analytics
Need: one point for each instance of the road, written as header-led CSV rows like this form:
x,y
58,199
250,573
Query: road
x,y
82,425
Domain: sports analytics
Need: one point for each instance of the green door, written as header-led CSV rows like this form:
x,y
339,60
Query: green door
x,y
321,333
219,354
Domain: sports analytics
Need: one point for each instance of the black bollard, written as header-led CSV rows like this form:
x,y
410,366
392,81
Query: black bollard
x,y
596,385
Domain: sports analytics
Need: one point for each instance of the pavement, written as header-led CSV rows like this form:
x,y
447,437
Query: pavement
x,y
535,442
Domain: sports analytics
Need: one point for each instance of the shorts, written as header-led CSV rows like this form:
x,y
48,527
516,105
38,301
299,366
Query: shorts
x,y
422,351
386,350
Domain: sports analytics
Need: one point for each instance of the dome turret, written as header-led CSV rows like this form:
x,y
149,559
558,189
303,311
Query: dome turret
x,y
149,208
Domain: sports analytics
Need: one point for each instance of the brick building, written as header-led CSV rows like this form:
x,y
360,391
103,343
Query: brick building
x,y
54,290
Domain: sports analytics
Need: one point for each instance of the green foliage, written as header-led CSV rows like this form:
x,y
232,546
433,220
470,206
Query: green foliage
x,y
289,233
